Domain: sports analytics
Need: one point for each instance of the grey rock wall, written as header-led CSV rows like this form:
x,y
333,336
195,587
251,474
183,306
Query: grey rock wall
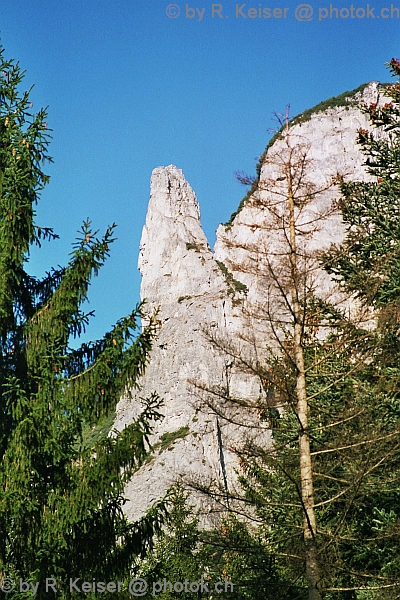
x,y
182,278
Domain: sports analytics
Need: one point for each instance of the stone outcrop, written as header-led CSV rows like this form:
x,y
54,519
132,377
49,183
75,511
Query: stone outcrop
x,y
181,278
203,299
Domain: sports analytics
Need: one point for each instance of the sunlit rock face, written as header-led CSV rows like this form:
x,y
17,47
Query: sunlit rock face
x,y
212,330
181,278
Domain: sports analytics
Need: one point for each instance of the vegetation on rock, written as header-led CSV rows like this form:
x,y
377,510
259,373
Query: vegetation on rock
x,y
345,99
232,283
326,493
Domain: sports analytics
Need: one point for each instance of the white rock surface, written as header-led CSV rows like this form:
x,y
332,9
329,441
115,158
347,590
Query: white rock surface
x,y
181,277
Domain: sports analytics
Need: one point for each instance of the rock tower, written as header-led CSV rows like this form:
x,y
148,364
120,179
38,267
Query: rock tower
x,y
202,297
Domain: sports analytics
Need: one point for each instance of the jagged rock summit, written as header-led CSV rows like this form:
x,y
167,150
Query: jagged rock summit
x,y
202,298
181,278
172,228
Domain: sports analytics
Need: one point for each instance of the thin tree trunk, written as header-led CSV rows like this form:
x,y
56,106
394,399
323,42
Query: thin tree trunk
x,y
306,474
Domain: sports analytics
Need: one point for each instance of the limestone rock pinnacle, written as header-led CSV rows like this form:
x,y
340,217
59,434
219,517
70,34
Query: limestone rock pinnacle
x,y
204,299
172,231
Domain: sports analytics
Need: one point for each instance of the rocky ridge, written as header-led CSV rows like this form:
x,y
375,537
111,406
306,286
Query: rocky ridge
x,y
202,297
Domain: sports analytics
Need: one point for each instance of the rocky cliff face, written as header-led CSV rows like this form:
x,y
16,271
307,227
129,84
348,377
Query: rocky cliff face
x,y
183,280
204,299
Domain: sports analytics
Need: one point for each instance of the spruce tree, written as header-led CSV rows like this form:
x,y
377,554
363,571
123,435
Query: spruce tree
x,y
367,264
326,491
229,560
369,260
61,495
178,555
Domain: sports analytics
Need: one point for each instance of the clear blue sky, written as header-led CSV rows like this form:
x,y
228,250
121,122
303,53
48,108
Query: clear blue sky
x,y
130,88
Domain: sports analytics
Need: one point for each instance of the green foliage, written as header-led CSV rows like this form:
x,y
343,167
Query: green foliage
x,y
369,261
175,557
168,438
166,441
61,481
354,431
92,434
192,246
368,264
230,555
232,283
346,99
241,553
243,201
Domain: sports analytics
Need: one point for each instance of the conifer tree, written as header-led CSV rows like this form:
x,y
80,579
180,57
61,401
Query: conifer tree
x,y
326,491
285,269
61,496
368,262
228,558
177,556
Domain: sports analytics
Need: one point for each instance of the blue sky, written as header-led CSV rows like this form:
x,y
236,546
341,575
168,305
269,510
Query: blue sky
x,y
129,89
